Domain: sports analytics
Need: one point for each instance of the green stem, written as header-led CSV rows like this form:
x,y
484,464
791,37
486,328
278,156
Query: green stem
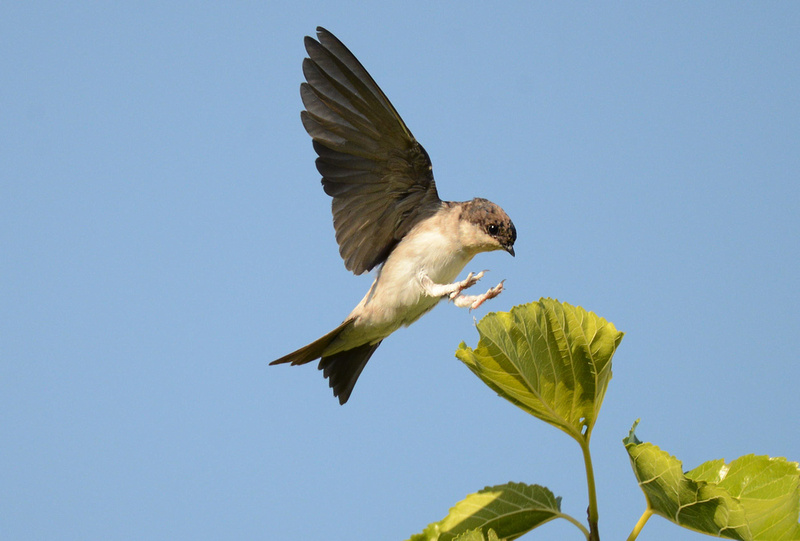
x,y
580,526
594,534
639,525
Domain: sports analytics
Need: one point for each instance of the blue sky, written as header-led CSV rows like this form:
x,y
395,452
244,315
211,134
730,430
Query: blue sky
x,y
164,236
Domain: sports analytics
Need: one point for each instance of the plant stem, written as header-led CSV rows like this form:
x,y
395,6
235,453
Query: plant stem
x,y
580,526
594,533
639,525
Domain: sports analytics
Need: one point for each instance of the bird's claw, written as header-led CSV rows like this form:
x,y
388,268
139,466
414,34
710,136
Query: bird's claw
x,y
467,283
490,294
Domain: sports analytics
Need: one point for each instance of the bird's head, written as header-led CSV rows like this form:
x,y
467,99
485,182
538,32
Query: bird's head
x,y
487,227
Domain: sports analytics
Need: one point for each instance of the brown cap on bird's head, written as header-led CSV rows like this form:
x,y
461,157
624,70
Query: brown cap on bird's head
x,y
494,222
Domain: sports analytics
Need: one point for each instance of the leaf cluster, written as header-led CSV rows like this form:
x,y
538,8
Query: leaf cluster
x,y
752,498
553,360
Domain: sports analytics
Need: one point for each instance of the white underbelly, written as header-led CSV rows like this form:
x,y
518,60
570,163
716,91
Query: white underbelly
x,y
397,298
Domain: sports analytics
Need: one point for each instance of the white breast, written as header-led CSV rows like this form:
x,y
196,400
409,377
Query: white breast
x,y
397,298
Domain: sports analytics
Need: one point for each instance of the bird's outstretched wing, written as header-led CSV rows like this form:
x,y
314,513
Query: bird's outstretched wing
x,y
379,176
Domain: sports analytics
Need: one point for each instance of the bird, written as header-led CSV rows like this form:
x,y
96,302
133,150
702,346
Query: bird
x,y
386,214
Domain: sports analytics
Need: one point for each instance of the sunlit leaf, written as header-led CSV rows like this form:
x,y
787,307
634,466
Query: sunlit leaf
x,y
549,358
753,497
510,510
477,535
769,490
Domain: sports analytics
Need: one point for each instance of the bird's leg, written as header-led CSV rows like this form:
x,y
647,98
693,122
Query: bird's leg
x,y
474,301
454,290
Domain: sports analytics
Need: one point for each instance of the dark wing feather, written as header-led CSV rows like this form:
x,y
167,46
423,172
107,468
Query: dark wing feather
x,y
379,176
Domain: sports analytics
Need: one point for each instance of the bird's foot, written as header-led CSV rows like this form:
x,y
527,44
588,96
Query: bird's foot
x,y
466,283
490,294
474,301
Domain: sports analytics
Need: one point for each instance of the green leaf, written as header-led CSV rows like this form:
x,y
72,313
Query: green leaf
x,y
753,497
477,535
768,489
510,510
551,359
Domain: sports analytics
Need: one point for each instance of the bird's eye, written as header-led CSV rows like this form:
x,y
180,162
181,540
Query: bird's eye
x,y
493,229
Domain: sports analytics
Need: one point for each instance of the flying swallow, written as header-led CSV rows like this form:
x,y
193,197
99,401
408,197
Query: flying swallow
x,y
386,213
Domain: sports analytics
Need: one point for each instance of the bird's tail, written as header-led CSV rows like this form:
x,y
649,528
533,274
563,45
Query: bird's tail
x,y
341,369
314,350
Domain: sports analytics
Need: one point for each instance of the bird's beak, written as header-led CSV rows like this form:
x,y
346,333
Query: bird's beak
x,y
510,250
